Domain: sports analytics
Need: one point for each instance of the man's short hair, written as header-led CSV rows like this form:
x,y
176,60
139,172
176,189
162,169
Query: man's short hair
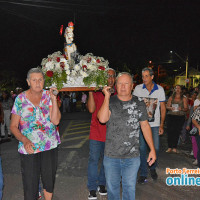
x,y
151,72
124,73
107,69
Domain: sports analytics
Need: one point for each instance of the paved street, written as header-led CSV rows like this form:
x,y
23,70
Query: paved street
x,y
71,182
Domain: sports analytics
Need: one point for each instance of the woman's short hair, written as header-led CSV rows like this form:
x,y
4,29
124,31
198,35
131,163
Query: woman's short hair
x,y
34,70
151,72
124,73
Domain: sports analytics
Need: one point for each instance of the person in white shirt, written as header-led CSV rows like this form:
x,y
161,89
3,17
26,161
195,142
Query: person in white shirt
x,y
153,92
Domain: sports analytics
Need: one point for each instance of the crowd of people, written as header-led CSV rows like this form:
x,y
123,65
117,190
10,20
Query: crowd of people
x,y
126,123
69,101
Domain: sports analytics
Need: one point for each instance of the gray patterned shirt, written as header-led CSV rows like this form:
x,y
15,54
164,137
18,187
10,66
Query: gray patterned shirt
x,y
122,135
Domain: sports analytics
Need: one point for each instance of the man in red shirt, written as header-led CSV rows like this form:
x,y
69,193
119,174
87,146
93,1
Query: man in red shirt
x,y
96,180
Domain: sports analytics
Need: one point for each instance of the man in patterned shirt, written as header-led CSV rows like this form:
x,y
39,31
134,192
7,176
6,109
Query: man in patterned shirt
x,y
123,115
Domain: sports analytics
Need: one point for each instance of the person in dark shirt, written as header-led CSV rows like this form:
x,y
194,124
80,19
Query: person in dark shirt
x,y
123,115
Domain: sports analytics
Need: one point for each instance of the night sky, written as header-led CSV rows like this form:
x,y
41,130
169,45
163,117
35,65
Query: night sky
x,y
124,32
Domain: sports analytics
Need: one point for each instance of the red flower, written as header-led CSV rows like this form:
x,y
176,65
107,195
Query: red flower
x,y
62,65
58,59
89,60
84,67
101,67
49,73
98,61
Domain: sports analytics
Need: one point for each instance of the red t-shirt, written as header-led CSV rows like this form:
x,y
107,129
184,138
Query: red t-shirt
x,y
98,130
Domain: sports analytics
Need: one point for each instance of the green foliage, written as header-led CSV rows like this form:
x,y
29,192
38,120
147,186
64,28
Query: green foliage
x,y
123,67
9,80
98,77
57,78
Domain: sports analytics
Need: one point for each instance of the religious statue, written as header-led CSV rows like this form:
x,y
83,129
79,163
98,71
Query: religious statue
x,y
70,47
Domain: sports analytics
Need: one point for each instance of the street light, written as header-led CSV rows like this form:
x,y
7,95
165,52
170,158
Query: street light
x,y
186,66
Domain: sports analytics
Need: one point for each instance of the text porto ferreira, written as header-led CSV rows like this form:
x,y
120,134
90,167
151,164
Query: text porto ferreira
x,y
185,177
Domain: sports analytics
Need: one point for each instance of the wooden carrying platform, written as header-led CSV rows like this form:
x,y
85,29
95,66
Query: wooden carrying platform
x,y
78,89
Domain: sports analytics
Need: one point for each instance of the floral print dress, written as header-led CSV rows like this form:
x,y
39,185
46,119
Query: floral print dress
x,y
35,123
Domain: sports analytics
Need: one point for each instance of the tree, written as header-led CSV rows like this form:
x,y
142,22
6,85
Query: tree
x,y
9,81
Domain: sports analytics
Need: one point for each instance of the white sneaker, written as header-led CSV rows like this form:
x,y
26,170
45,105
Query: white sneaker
x,y
102,190
195,162
92,195
191,153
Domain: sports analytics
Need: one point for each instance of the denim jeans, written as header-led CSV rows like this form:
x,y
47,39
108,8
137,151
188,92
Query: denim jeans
x,y
1,181
143,151
117,169
96,178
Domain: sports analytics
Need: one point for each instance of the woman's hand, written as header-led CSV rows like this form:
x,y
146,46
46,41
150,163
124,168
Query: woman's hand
x,y
53,94
55,114
28,145
171,108
187,128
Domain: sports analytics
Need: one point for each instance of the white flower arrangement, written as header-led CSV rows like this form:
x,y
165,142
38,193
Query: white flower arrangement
x,y
90,71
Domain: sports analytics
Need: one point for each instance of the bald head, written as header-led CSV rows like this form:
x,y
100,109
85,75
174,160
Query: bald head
x,y
124,85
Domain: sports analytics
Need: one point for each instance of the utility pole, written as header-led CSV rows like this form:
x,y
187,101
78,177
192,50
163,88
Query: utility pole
x,y
186,72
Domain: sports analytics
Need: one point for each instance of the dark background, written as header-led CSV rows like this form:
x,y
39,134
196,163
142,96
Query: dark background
x,y
124,32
